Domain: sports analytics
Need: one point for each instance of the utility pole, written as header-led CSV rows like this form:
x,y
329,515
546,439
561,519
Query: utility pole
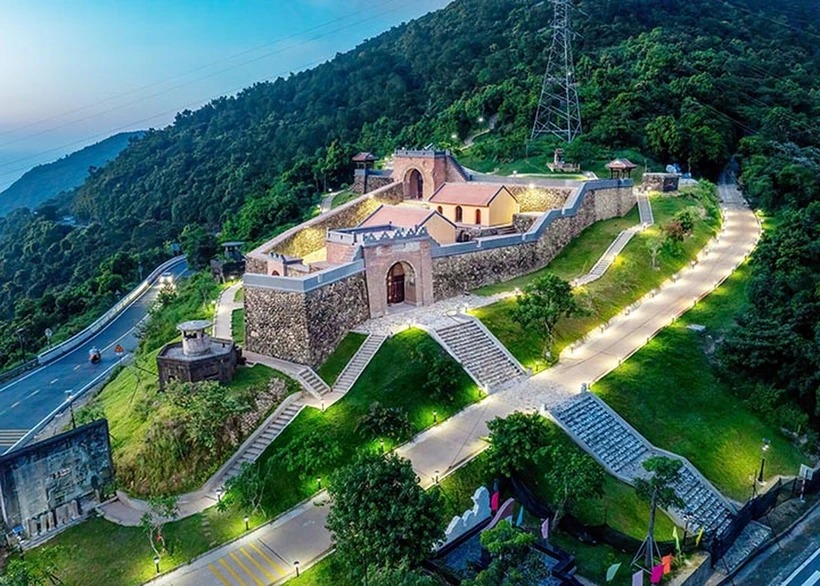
x,y
559,111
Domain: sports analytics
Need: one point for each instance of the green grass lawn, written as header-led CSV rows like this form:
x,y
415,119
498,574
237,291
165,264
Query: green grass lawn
x,y
336,362
239,297
100,552
127,403
627,280
344,197
238,326
669,392
393,379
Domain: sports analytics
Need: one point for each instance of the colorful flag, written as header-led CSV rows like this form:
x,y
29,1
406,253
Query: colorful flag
x,y
520,520
545,529
676,538
610,573
637,578
494,501
666,562
657,574
700,534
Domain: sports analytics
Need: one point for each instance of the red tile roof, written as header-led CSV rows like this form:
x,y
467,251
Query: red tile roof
x,y
468,194
365,158
398,216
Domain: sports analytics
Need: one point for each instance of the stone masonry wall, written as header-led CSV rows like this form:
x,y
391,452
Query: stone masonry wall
x,y
304,327
373,182
255,265
539,199
456,274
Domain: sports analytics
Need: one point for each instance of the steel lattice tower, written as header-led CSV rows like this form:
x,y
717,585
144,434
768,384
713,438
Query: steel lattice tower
x,y
559,112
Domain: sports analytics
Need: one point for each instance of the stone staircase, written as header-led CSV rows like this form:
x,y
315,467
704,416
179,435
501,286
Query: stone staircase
x,y
481,355
622,450
505,231
358,363
645,210
311,382
253,449
608,257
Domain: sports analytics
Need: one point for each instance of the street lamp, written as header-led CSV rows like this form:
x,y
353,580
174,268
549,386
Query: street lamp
x,y
70,398
319,482
435,417
436,477
764,449
20,332
381,445
296,565
246,522
219,494
156,563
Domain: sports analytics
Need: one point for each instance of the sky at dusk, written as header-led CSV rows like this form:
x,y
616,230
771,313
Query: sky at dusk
x,y
72,73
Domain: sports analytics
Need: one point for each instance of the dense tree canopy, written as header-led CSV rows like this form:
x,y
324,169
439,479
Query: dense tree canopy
x,y
684,82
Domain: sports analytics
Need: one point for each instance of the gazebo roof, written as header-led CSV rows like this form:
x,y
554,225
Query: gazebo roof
x,y
365,158
621,164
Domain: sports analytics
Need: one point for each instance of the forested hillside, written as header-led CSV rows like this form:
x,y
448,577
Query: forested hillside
x,y
682,82
46,181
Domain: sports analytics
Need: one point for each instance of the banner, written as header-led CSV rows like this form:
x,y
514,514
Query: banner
x,y
700,534
545,529
666,562
637,578
657,574
676,538
610,573
520,520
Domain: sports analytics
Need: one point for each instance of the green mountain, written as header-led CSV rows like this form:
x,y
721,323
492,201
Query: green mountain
x,y
44,182
688,82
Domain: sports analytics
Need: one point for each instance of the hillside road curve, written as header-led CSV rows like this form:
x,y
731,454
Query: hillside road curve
x,y
34,396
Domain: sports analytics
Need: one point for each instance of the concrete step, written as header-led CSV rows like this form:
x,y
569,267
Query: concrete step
x,y
348,377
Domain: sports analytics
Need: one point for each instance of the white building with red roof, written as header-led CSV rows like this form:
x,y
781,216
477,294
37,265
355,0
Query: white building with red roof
x,y
475,204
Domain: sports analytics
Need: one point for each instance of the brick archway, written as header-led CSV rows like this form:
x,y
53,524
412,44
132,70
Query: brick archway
x,y
401,283
413,184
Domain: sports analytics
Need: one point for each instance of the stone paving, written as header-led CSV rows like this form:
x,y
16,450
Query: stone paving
x,y
225,306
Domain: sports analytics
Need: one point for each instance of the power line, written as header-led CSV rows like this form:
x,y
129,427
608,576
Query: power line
x,y
185,73
183,84
191,104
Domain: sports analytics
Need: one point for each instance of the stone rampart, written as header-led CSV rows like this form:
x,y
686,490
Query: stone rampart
x,y
304,327
539,199
309,236
374,181
454,274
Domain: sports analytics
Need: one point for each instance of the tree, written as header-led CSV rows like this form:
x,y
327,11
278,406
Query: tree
x,y
380,516
401,576
198,244
514,563
543,302
162,509
658,490
516,442
442,374
34,570
316,451
572,478
654,244
384,421
247,489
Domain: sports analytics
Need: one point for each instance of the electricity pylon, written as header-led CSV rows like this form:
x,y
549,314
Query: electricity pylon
x,y
559,112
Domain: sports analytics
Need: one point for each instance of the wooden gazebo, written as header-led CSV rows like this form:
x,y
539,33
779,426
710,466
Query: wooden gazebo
x,y
620,168
365,160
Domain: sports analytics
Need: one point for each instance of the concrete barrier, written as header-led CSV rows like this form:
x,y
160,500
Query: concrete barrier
x,y
80,338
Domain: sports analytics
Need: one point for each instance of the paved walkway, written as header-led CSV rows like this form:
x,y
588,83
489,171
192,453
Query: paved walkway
x,y
224,310
300,533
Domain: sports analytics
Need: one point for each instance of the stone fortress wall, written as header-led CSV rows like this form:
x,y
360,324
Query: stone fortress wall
x,y
303,318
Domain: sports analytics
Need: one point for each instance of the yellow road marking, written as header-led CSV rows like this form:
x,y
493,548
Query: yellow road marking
x,y
276,566
232,572
219,576
246,569
257,564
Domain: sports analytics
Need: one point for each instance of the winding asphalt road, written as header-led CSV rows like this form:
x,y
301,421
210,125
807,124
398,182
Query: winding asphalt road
x,y
27,400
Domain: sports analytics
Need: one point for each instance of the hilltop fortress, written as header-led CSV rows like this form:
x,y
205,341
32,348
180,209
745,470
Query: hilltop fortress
x,y
429,230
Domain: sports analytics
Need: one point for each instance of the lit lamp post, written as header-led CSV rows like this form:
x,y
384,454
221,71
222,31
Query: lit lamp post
x,y
436,477
764,449
219,494
69,397
381,445
435,417
296,565
246,522
319,482
156,563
